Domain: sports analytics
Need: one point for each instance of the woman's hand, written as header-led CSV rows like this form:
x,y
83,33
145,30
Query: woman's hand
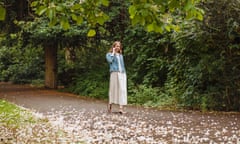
x,y
114,50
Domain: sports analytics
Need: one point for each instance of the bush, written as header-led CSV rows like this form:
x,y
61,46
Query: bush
x,y
93,84
21,65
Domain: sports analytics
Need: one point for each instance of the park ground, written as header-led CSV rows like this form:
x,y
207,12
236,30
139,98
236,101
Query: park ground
x,y
77,119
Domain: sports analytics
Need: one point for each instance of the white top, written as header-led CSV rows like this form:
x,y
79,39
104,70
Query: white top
x,y
119,64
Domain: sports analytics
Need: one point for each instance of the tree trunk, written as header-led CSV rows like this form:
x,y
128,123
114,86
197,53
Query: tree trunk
x,y
21,8
51,66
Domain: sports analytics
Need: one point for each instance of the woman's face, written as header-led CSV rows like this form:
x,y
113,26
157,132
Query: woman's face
x,y
117,47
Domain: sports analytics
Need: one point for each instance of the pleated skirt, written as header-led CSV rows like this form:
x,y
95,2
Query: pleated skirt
x,y
118,88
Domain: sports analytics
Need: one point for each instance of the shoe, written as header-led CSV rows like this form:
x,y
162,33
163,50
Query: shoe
x,y
121,111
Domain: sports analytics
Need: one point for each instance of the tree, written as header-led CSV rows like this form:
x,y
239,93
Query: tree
x,y
154,15
204,73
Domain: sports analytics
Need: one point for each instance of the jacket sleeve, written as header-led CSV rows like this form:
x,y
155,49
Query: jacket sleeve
x,y
110,57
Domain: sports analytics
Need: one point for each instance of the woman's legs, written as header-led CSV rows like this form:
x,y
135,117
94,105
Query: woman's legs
x,y
109,108
121,109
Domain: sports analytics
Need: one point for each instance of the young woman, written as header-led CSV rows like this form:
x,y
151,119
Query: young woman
x,y
118,78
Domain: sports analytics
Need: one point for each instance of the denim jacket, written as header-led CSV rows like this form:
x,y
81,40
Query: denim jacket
x,y
113,62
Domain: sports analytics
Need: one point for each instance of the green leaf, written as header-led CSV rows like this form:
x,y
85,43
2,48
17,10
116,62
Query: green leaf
x,y
105,2
100,20
162,9
173,4
144,13
41,10
76,7
188,6
135,20
158,29
53,22
168,28
132,11
51,13
91,33
74,17
142,21
64,23
176,28
2,13
159,2
35,3
199,16
150,27
79,20
59,8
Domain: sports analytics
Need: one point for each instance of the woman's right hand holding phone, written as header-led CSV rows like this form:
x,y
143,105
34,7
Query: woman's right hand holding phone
x,y
114,50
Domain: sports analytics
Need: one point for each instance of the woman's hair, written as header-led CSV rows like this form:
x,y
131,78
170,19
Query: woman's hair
x,y
114,44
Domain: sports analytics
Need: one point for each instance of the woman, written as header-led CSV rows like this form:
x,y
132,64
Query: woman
x,y
118,78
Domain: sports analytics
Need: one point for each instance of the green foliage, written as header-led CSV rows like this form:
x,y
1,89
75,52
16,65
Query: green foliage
x,y
87,72
203,74
92,84
143,94
12,116
195,66
91,33
226,41
147,58
153,15
149,96
66,12
38,32
21,65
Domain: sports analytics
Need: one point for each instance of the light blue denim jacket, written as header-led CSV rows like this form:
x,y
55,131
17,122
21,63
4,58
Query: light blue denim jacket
x,y
114,66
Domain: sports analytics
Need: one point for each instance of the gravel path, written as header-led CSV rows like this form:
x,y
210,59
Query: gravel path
x,y
81,120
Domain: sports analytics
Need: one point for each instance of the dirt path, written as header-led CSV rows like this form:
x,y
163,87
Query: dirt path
x,y
87,119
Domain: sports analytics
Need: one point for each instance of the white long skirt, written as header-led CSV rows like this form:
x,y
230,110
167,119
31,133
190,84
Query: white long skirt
x,y
118,88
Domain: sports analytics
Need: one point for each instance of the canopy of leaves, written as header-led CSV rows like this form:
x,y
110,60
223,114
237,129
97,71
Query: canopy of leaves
x,y
154,15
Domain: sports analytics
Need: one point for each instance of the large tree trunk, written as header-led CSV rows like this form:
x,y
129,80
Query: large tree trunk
x,y
51,66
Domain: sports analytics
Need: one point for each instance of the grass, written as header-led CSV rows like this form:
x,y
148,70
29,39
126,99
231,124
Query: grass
x,y
19,125
12,116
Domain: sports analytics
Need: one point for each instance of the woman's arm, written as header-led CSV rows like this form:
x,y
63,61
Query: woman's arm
x,y
110,57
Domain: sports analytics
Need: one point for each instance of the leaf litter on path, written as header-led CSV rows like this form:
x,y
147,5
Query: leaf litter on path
x,y
85,121
69,125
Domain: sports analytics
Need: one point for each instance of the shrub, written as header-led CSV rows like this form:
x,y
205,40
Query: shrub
x,y
91,84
